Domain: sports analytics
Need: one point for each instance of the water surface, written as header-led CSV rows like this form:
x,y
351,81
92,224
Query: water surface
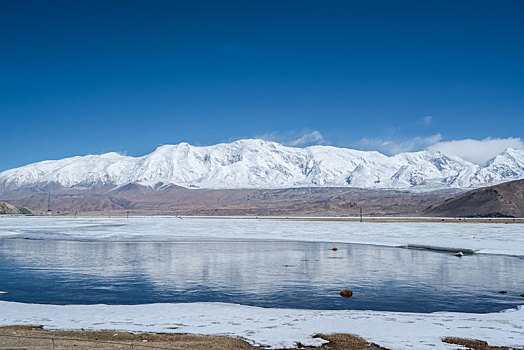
x,y
283,274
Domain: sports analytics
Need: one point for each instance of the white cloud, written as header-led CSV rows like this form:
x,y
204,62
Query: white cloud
x,y
477,151
392,147
427,120
310,138
294,138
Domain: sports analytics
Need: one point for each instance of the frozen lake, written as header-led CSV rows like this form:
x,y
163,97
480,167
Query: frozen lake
x,y
286,266
490,238
264,273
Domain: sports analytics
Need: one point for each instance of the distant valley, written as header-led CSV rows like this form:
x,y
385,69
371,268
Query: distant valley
x,y
174,200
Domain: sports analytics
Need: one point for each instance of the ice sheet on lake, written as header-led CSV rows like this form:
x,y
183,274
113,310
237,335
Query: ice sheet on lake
x,y
484,237
277,327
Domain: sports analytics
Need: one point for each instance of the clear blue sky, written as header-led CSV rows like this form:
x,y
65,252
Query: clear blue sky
x,y
80,77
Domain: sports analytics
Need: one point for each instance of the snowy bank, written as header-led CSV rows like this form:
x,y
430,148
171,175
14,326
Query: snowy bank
x,y
276,327
489,238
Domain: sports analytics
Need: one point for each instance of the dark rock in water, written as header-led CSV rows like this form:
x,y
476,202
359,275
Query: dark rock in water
x,y
346,293
334,249
459,254
522,295
502,292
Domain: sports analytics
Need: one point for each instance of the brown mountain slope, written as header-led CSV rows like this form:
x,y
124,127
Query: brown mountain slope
x,y
503,200
6,208
172,199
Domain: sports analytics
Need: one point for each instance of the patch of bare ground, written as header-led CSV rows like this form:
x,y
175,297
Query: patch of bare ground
x,y
474,344
32,338
35,337
343,341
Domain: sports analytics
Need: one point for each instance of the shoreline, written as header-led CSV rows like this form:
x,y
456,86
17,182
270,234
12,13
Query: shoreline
x,y
368,219
276,328
35,336
464,235
375,219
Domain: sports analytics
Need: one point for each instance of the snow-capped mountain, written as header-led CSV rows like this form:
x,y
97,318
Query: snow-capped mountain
x,y
263,164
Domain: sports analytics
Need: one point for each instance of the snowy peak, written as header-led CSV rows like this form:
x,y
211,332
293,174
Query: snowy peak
x,y
506,165
509,156
254,163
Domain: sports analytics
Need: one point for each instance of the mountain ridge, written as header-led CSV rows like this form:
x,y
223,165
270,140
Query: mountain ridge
x,y
7,208
502,200
254,163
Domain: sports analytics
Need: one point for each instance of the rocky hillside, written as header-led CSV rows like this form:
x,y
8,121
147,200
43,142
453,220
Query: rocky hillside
x,y
170,199
503,200
6,208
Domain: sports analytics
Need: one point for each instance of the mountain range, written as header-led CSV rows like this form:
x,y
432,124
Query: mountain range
x,y
259,164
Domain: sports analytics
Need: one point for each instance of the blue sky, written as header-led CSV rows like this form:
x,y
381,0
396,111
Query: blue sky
x,y
98,76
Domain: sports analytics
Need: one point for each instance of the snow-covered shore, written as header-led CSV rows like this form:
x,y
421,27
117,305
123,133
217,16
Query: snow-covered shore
x,y
277,327
489,238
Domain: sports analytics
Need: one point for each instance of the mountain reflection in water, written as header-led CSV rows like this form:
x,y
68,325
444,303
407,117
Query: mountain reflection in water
x,y
305,275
